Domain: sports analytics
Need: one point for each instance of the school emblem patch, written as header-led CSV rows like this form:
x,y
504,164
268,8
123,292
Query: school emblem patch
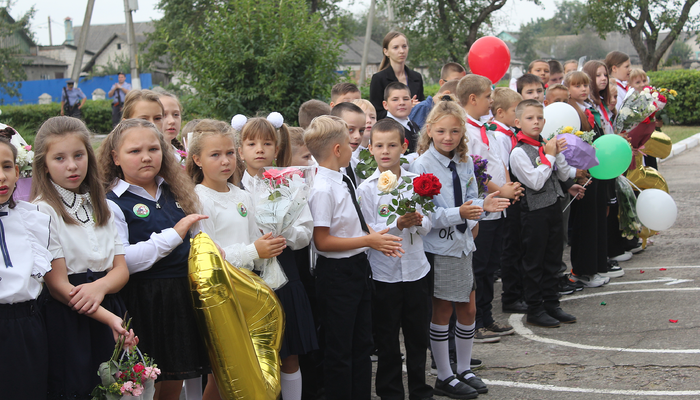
x,y
242,210
383,210
141,210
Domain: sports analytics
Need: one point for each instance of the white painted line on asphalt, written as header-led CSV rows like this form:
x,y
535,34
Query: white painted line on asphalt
x,y
516,320
668,281
553,388
658,267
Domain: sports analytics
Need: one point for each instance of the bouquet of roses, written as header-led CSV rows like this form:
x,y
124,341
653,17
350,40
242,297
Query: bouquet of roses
x,y
664,96
636,107
482,178
585,136
424,186
280,197
580,152
133,377
627,214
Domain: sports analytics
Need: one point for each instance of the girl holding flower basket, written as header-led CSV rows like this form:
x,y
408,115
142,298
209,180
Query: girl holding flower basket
x,y
443,152
88,267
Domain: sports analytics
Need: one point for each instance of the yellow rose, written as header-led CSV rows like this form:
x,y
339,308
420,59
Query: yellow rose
x,y
663,90
578,133
387,182
567,129
673,92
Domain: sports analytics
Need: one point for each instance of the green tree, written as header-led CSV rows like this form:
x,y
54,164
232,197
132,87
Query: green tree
x,y
679,51
12,69
248,56
643,21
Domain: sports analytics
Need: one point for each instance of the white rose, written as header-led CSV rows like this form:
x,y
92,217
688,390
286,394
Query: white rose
x,y
387,182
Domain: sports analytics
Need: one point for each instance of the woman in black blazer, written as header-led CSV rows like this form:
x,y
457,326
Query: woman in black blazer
x,y
393,68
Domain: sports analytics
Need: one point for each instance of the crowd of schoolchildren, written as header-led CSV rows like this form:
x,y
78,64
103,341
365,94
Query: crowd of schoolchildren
x,y
108,231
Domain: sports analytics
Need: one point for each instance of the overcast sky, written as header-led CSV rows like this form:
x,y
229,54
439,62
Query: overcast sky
x,y
509,17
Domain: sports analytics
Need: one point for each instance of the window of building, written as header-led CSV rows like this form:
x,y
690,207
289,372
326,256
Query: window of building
x,y
119,46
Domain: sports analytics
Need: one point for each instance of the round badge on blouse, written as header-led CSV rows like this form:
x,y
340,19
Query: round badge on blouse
x,y
383,210
141,210
242,210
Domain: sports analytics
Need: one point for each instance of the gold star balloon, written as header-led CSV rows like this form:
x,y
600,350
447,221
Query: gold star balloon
x,y
242,322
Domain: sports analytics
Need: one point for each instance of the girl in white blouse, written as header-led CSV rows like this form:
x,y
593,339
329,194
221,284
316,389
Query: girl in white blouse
x,y
24,236
231,225
83,312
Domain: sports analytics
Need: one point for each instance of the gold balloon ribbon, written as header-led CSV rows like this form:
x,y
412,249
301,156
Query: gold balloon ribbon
x,y
646,177
645,234
242,322
659,145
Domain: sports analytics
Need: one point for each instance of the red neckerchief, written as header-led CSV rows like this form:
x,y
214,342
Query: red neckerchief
x,y
513,139
484,137
626,87
591,118
528,140
605,112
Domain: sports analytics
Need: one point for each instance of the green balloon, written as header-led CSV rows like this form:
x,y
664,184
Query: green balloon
x,y
614,154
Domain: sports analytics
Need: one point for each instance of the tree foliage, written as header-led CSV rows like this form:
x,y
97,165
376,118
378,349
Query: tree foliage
x,y
12,69
643,21
247,56
442,31
680,51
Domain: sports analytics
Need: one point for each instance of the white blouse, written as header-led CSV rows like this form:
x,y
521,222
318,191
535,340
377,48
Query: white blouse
x,y
84,245
25,234
231,223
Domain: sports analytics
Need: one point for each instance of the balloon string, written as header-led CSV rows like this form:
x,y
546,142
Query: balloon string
x,y
576,197
630,182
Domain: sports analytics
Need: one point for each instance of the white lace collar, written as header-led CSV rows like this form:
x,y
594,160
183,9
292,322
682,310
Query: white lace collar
x,y
78,205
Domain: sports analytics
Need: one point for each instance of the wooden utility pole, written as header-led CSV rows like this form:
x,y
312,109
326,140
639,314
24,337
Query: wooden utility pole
x,y
368,38
78,63
129,6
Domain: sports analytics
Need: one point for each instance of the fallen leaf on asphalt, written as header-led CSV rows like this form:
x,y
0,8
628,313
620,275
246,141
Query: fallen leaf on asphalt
x,y
641,271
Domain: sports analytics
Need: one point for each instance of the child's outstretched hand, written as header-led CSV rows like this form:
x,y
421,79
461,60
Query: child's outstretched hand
x,y
495,204
387,244
409,219
577,191
268,246
86,298
184,225
468,211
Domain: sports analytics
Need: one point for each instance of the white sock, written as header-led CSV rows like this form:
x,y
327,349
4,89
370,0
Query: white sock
x,y
464,339
291,385
193,388
440,349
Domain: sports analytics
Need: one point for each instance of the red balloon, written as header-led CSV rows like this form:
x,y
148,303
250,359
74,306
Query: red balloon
x,y
489,56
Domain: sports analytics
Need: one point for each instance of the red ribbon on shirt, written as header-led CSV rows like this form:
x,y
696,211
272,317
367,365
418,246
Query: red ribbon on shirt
x,y
626,87
513,139
528,140
484,137
591,118
605,112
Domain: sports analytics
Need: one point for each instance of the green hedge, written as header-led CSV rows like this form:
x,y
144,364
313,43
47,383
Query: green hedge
x,y
28,118
685,109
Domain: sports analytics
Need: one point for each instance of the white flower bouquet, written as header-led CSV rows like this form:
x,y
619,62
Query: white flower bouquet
x,y
637,107
280,197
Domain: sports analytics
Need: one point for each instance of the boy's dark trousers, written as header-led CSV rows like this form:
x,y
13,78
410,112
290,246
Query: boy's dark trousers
x,y
542,253
401,306
511,256
487,259
589,236
343,288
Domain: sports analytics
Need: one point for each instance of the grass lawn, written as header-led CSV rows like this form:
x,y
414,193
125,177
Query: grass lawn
x,y
678,133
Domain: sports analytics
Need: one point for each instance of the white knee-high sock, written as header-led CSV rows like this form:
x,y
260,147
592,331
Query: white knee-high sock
x,y
464,339
441,351
291,385
193,388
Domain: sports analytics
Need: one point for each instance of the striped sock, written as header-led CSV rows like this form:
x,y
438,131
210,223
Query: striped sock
x,y
464,339
440,349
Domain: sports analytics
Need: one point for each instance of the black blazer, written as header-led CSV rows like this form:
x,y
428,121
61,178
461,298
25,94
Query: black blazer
x,y
382,78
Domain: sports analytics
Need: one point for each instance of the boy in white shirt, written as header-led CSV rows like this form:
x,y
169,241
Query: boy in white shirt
x,y
397,102
355,119
401,284
343,282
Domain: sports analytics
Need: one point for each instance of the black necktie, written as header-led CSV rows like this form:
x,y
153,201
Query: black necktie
x,y
414,134
351,187
457,186
350,173
3,244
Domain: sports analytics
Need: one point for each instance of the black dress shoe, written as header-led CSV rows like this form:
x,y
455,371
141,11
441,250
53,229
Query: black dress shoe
x,y
459,391
542,319
518,307
560,315
475,382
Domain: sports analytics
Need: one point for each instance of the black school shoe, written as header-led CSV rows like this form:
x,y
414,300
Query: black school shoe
x,y
542,319
561,316
475,382
459,391
518,307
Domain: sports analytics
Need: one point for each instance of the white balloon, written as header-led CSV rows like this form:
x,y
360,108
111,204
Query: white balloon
x,y
559,115
656,209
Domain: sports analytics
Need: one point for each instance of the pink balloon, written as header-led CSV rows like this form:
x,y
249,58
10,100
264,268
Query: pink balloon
x,y
489,56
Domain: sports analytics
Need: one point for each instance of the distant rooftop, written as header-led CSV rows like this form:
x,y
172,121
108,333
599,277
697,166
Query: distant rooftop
x,y
101,34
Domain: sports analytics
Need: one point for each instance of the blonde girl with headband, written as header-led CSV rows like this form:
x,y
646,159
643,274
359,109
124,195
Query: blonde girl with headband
x,y
155,206
265,141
